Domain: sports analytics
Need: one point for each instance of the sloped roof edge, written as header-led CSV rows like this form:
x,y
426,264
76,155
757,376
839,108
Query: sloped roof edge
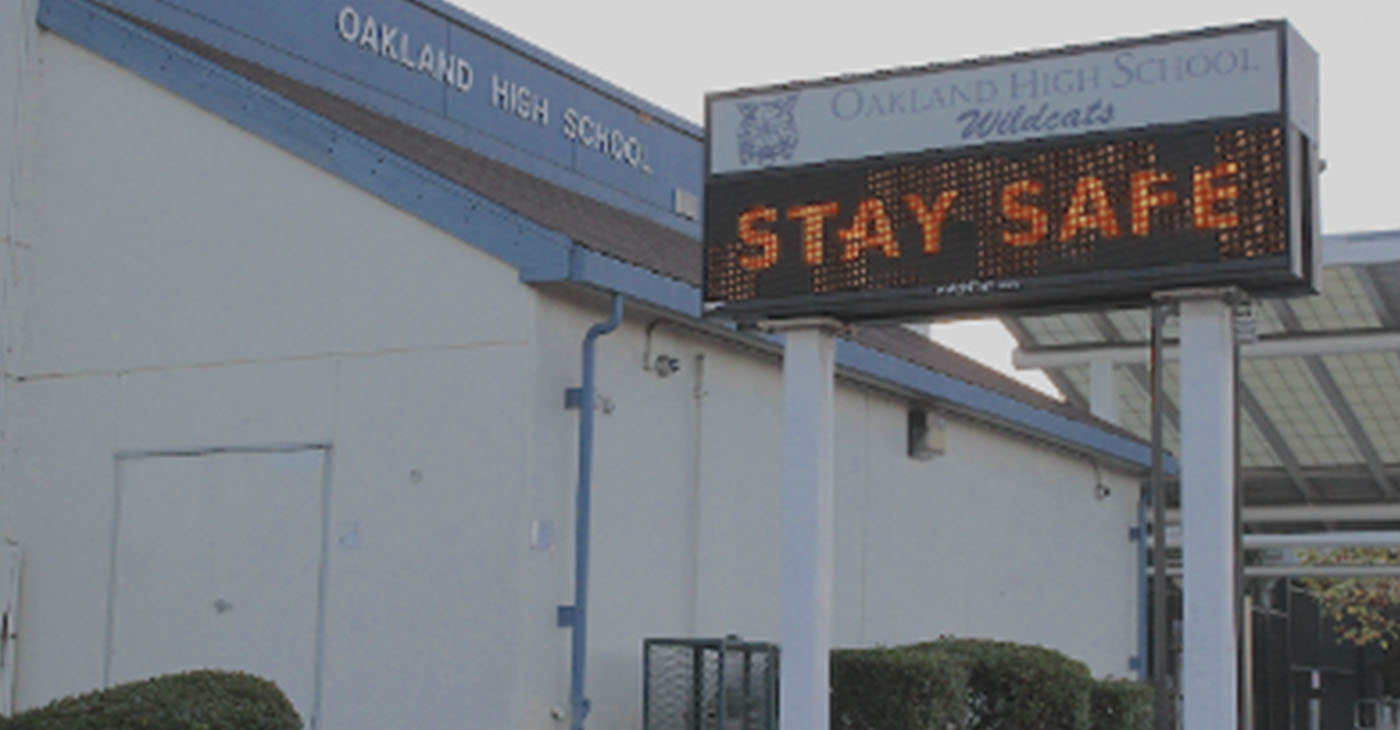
x,y
539,253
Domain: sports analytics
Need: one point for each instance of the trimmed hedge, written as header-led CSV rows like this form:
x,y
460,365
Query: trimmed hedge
x,y
896,689
978,684
1020,687
1120,704
199,700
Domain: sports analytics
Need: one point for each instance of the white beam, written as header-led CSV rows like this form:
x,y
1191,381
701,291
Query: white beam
x,y
809,377
1298,346
1264,514
1371,247
1284,540
1209,657
1103,390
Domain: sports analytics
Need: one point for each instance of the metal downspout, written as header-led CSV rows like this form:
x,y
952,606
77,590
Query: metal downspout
x,y
1144,577
576,616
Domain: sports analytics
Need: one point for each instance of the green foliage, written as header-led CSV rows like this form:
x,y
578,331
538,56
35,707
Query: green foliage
x,y
1120,704
896,689
1365,610
1019,687
978,684
199,700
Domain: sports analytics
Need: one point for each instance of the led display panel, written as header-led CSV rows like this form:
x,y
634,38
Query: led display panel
x,y
1080,178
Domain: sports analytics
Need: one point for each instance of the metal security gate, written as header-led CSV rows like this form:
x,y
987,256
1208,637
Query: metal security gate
x,y
1301,669
709,684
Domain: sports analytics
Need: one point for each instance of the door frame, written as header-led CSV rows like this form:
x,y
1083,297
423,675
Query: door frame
x,y
323,566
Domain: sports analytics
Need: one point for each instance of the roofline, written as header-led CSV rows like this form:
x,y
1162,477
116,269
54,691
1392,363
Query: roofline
x,y
1361,248
173,18
540,254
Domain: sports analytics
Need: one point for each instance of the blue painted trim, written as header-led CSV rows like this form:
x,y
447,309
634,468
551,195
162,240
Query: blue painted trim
x,y
437,200
605,272
540,254
578,613
164,14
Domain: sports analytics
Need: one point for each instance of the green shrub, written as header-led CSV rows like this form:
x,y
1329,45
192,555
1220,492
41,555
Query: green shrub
x,y
1019,687
896,689
200,700
1120,704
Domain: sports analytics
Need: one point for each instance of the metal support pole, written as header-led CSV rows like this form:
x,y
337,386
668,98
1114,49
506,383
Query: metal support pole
x,y
809,370
1243,618
1161,639
1210,659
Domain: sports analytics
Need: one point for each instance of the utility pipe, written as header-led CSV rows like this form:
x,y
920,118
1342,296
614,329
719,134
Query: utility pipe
x,y
576,616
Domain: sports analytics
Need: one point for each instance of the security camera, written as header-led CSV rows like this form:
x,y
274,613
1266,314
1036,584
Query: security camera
x,y
665,365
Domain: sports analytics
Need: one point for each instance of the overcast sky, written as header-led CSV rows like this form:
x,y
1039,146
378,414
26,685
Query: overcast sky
x,y
671,53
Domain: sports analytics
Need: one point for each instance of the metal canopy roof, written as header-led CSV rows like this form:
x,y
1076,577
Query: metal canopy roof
x,y
1319,397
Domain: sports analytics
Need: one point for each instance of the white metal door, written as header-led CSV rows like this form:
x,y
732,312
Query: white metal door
x,y
216,564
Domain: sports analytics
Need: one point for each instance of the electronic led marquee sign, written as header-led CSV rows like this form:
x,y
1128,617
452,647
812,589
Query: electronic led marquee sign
x,y
1089,176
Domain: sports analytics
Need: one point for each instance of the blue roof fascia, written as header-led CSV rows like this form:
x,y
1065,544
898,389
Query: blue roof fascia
x,y
500,232
541,255
601,271
184,22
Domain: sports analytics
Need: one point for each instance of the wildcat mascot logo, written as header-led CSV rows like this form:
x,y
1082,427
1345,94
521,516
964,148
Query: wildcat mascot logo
x,y
768,131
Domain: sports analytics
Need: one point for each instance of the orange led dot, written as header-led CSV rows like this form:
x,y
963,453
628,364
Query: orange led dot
x,y
931,220
870,228
766,241
1144,198
1207,192
1034,218
1089,192
812,228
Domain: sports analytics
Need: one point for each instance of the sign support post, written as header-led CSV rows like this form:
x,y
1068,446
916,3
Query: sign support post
x,y
809,392
1209,661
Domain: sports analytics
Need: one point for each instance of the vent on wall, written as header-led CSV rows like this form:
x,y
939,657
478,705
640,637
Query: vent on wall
x,y
928,435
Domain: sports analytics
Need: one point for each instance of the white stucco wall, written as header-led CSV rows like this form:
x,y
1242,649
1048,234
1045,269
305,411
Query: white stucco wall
x,y
184,284
179,283
998,538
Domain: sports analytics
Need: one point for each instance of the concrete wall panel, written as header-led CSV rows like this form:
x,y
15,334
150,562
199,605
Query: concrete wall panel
x,y
168,237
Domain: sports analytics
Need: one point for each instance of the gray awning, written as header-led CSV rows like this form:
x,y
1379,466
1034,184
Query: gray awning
x,y
1320,389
